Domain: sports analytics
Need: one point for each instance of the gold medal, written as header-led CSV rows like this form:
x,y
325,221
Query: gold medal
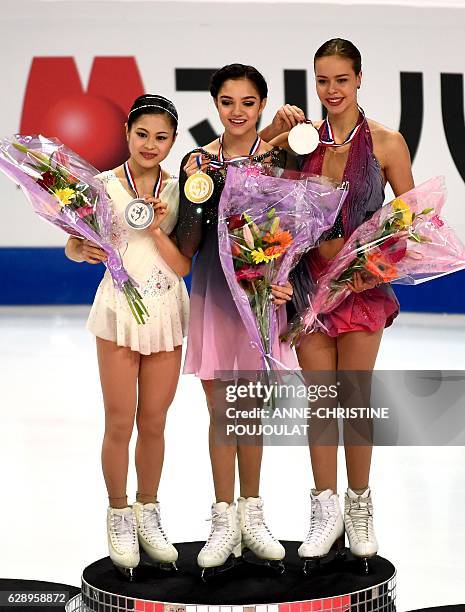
x,y
198,187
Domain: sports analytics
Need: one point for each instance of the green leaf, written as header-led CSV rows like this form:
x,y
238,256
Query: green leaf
x,y
271,213
426,211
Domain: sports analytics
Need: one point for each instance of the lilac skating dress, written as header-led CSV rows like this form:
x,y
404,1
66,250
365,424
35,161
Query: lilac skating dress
x,y
368,310
217,339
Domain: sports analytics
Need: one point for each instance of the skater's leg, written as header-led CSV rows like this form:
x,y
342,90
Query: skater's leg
x,y
357,356
119,368
224,541
222,455
317,354
249,450
357,352
158,379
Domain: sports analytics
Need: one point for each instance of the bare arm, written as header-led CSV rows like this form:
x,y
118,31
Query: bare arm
x,y
285,119
398,165
281,141
168,249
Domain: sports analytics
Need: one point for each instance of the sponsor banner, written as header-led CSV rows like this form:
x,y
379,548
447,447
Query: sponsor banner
x,y
77,81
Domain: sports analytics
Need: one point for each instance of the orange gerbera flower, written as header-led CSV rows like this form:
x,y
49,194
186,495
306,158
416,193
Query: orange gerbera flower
x,y
379,266
283,239
274,251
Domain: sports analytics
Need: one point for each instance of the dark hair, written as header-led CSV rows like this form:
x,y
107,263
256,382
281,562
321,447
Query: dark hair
x,y
342,48
150,104
235,72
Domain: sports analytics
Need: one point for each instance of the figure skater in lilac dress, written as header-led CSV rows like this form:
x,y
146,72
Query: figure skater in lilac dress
x,y
217,338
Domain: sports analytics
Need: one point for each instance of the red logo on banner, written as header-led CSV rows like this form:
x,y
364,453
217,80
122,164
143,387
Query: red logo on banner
x,y
91,123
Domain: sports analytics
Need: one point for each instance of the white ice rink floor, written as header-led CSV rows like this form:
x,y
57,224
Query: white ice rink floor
x,y
53,504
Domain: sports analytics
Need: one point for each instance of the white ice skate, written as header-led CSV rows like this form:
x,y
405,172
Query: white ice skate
x,y
326,529
152,538
358,519
256,535
224,541
122,540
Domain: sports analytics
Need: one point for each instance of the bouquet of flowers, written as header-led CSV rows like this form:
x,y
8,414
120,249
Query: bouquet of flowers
x,y
63,190
404,242
266,222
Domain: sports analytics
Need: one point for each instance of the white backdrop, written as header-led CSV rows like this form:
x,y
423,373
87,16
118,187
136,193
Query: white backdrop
x,y
59,504
163,36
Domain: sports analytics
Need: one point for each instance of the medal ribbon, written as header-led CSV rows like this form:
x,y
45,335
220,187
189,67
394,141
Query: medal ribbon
x,y
329,141
132,182
224,162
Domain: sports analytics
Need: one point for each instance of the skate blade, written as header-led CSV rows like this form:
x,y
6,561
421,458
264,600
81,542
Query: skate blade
x,y
364,564
129,573
211,572
162,566
276,565
312,564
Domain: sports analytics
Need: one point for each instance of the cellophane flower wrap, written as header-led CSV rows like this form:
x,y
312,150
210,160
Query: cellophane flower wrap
x,y
267,219
62,189
405,242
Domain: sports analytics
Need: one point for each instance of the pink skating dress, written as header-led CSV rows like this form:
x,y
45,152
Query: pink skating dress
x,y
218,342
374,308
163,291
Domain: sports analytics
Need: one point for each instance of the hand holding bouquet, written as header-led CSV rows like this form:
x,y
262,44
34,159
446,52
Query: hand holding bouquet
x,y
405,242
63,190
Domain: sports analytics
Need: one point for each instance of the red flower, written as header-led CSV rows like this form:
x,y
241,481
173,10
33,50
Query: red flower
x,y
235,222
47,181
248,273
393,249
85,211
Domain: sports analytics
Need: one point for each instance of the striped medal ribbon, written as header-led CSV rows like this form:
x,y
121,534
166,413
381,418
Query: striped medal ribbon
x,y
329,140
138,214
222,162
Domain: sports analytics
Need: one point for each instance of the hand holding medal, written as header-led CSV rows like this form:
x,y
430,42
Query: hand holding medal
x,y
304,138
139,213
199,186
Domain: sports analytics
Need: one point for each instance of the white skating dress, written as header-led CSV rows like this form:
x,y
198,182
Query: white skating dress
x,y
163,291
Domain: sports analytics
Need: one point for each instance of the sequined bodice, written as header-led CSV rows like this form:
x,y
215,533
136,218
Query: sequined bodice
x,y
363,173
198,223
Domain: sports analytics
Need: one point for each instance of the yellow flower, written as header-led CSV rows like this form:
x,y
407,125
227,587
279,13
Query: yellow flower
x,y
400,206
65,195
260,256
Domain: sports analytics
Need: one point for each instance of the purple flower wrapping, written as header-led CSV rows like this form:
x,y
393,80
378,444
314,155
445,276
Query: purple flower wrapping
x,y
21,158
306,207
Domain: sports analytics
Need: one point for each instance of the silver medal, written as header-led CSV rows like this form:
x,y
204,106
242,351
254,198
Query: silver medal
x,y
303,138
138,214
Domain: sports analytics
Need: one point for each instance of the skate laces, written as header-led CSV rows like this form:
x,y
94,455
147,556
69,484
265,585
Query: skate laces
x,y
220,526
321,516
124,529
152,524
360,513
257,519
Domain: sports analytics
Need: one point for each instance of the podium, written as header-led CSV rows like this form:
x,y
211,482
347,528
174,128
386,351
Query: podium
x,y
337,585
